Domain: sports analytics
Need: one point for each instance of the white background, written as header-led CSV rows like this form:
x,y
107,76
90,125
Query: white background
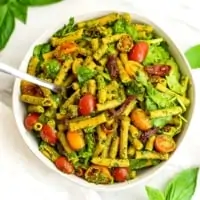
x,y
22,175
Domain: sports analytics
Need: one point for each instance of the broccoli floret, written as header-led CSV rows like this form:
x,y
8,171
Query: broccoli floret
x,y
51,68
41,49
37,50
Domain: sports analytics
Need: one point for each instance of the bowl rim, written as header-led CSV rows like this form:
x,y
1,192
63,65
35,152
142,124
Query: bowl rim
x,y
118,186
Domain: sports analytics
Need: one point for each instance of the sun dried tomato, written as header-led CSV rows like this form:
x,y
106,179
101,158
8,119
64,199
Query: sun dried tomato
x,y
112,66
146,135
158,70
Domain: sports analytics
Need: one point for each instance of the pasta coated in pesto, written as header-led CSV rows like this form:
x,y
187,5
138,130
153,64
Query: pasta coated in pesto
x,y
116,109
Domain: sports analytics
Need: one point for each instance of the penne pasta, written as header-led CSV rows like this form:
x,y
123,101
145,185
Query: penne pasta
x,y
136,143
40,101
35,109
151,155
48,151
92,86
47,56
76,64
114,147
72,99
129,108
101,89
101,142
95,44
32,67
113,38
73,36
134,132
64,143
93,121
166,112
108,105
37,126
52,123
150,143
100,52
123,143
131,152
99,21
63,72
108,162
107,145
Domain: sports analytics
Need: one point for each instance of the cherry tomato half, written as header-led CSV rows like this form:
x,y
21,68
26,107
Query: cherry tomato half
x,y
138,52
140,119
120,174
164,144
75,140
48,134
30,120
64,165
87,104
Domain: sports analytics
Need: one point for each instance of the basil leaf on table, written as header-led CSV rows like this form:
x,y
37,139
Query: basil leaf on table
x,y
11,9
7,25
2,2
38,2
182,186
193,56
3,12
19,10
154,194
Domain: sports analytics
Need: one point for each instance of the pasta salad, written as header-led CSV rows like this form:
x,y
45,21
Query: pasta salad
x,y
123,101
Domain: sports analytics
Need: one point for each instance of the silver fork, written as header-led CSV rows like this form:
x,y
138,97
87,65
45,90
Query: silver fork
x,y
24,76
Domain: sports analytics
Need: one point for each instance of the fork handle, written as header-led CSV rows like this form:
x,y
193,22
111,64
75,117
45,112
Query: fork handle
x,y
24,76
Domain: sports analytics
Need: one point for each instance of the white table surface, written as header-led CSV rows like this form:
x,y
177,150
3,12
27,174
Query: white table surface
x,y
21,173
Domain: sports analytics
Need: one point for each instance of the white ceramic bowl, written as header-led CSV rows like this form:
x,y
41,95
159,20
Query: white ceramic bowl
x,y
19,108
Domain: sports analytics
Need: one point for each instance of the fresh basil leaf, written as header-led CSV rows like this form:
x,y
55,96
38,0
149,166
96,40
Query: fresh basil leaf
x,y
154,194
136,164
67,28
3,13
19,10
182,186
161,121
38,2
84,74
41,49
135,88
193,56
122,26
2,2
150,105
6,28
